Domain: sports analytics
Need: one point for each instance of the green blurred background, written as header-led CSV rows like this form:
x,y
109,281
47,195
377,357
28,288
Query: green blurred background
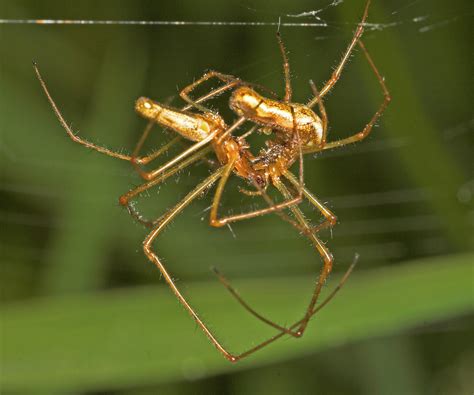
x,y
85,312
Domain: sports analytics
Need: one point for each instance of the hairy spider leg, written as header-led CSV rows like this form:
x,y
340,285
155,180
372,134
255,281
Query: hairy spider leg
x,y
330,220
129,158
125,198
337,72
225,282
273,207
161,223
229,80
66,127
224,173
137,161
322,111
148,248
214,220
330,217
286,69
296,324
230,83
368,128
320,247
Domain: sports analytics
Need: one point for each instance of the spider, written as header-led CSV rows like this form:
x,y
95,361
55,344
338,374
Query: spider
x,y
297,129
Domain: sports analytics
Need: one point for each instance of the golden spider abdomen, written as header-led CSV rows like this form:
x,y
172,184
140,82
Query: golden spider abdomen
x,y
194,127
285,117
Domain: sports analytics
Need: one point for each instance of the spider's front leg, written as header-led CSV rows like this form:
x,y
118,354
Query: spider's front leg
x,y
229,80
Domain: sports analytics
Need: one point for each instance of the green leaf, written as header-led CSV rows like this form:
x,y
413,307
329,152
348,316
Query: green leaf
x,y
131,337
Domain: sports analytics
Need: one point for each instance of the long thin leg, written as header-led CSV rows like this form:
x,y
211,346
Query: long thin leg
x,y
69,131
224,281
125,199
296,324
274,208
129,158
247,307
242,137
154,173
286,69
330,220
148,249
337,72
162,223
137,162
144,160
322,111
147,246
367,129
330,217
323,251
230,82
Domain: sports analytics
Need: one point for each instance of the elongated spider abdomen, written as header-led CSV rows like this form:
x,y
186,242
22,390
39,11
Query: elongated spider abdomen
x,y
194,127
278,115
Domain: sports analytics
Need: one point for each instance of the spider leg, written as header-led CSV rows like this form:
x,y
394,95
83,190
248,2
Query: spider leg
x,y
337,72
125,199
367,129
154,173
330,217
136,161
247,307
274,208
330,221
229,80
286,68
322,111
310,232
151,255
230,83
247,133
303,227
296,324
250,193
74,137
321,248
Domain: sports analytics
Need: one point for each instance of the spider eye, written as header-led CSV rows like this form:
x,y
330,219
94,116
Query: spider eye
x,y
144,103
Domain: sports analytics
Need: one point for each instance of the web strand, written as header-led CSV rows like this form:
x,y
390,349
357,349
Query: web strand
x,y
154,23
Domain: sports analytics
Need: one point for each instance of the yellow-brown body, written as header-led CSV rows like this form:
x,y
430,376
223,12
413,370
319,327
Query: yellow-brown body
x,y
286,118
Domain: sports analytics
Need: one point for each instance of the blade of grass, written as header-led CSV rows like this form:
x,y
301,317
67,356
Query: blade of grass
x,y
133,337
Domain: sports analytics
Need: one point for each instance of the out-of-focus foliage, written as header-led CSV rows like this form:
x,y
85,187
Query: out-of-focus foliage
x,y
83,308
133,344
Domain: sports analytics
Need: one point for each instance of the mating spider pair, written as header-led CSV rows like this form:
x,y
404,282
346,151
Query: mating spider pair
x,y
294,130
